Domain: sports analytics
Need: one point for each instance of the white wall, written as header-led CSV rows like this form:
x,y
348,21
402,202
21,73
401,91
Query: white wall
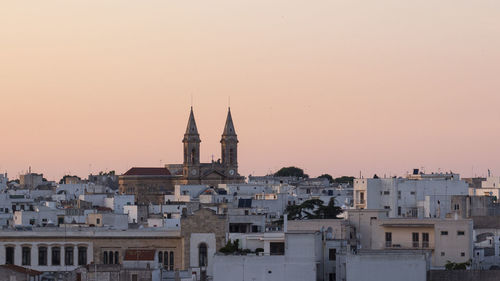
x,y
387,267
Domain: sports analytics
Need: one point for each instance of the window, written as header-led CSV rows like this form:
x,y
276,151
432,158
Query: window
x,y
165,259
387,192
9,255
332,277
414,239
444,232
117,258
412,193
456,207
399,194
277,248
134,277
82,255
387,207
388,239
462,254
56,256
172,260
42,255
425,240
98,221
442,254
399,210
26,256
105,257
460,233
332,254
202,255
68,255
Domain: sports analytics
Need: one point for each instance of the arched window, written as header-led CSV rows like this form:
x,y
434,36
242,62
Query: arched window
x,y
165,259
116,257
172,260
105,258
193,152
202,255
110,255
160,257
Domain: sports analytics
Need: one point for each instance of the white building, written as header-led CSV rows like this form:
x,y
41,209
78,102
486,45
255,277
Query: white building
x,y
296,262
40,216
405,197
385,265
117,202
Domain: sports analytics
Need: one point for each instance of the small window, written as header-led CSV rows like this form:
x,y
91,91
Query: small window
x,y
26,256
460,233
387,207
68,255
442,254
332,254
386,192
462,254
412,193
98,221
42,255
444,232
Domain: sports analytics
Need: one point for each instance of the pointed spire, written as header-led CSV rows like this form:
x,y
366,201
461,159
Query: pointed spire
x,y
229,127
191,126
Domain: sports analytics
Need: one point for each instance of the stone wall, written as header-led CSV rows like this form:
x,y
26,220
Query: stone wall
x,y
203,221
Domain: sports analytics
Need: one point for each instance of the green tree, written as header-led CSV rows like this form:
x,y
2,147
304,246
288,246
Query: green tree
x,y
344,179
313,209
329,211
291,172
326,176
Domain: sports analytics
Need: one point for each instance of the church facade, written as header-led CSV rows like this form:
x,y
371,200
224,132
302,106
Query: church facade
x,y
149,184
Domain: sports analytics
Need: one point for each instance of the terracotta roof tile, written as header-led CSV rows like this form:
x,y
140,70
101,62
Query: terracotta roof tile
x,y
147,171
21,269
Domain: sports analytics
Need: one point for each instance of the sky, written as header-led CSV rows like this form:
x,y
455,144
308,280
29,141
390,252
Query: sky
x,y
339,87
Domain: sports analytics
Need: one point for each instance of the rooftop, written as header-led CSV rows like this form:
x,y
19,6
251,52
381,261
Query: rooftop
x,y
147,171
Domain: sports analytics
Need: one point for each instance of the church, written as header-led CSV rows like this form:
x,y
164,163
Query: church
x,y
149,184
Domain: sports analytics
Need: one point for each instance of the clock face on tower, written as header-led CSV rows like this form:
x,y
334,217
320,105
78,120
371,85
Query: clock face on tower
x,y
231,172
193,172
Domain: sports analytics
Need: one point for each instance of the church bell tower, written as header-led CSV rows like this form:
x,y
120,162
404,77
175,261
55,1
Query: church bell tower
x,y
191,143
229,148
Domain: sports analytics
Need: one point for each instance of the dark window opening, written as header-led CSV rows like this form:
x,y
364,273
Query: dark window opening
x,y
202,255
332,254
42,255
56,256
26,256
68,255
277,248
9,255
388,239
82,255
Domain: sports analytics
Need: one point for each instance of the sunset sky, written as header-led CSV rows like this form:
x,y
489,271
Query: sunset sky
x,y
333,86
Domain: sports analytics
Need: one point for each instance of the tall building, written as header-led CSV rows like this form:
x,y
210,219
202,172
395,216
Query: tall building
x,y
150,183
